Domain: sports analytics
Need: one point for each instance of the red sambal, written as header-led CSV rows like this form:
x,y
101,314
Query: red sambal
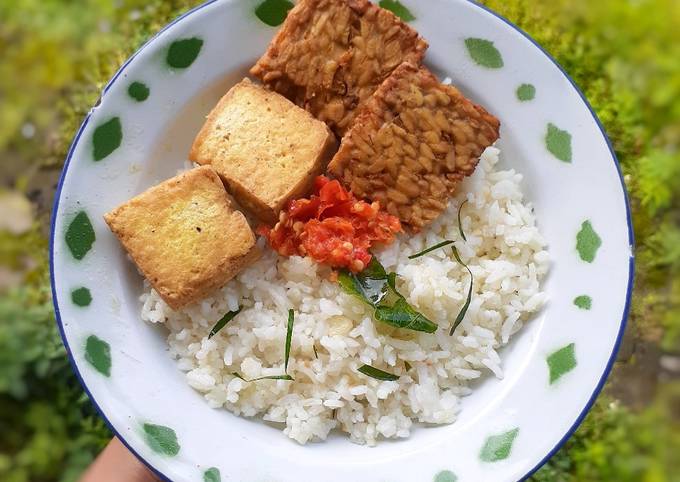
x,y
332,227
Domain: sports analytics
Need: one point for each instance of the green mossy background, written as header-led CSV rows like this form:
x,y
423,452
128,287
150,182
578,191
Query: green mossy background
x,y
56,55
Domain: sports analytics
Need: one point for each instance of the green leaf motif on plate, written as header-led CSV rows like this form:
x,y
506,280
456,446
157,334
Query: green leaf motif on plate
x,y
273,12
81,297
138,91
161,439
183,52
397,8
587,242
526,92
584,302
558,143
498,447
212,475
80,235
484,53
445,476
98,354
106,138
561,362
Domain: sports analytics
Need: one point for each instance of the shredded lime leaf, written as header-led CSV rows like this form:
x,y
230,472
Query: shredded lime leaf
x,y
270,377
465,307
378,374
430,249
460,226
223,322
316,354
289,336
392,282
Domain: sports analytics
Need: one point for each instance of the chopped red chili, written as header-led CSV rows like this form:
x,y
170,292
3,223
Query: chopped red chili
x,y
332,227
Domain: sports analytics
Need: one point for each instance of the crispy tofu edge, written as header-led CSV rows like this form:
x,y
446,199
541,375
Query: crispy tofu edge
x,y
263,211
269,212
179,299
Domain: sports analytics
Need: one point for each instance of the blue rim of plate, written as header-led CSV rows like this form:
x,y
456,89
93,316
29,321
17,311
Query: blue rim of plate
x,y
629,221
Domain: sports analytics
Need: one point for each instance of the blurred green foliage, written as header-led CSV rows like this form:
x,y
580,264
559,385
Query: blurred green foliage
x,y
56,55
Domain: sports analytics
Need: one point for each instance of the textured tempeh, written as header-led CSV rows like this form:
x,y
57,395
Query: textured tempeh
x,y
411,144
331,55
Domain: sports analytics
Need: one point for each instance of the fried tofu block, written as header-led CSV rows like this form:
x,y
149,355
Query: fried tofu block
x,y
184,236
266,149
411,145
331,55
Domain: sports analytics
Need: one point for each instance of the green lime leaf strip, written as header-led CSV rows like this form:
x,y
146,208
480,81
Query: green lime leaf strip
x,y
498,447
98,354
183,52
392,282
269,377
161,439
561,362
212,475
587,242
377,373
223,322
106,138
465,307
80,235
558,143
460,226
397,8
316,354
584,302
484,53
430,249
289,337
526,92
273,12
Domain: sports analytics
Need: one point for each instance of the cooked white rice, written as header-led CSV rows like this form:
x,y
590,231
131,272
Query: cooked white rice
x,y
507,256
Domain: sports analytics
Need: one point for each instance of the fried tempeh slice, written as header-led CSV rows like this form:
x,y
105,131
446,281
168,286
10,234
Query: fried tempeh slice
x,y
184,236
411,145
331,55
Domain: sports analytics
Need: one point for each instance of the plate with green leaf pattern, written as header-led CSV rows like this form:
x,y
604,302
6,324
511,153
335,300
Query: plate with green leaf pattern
x,y
140,133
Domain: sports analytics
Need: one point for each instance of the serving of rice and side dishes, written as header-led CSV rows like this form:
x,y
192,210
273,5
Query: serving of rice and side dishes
x,y
344,252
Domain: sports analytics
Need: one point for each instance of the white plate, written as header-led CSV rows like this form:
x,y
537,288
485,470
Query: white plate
x,y
507,428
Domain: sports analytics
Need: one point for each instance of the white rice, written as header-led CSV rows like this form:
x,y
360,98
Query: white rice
x,y
507,256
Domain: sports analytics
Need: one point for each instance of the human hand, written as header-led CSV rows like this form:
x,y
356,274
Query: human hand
x,y
117,464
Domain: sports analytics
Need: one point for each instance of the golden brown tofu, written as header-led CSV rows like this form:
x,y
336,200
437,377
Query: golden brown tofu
x,y
331,55
184,236
411,145
265,148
